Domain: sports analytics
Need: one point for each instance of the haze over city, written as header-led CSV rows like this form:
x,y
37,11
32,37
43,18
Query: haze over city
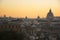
x,y
29,19
29,8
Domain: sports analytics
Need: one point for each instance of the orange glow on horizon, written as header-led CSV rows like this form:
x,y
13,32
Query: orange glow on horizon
x,y
29,8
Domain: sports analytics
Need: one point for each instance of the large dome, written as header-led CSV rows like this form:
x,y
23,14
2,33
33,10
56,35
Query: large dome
x,y
50,14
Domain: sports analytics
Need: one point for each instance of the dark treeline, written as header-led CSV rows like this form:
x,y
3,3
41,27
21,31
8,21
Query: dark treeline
x,y
11,35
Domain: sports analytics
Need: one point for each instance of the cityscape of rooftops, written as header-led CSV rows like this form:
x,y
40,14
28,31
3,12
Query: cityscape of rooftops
x,y
29,19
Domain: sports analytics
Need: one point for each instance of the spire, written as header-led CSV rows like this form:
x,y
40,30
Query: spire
x,y
4,15
38,17
50,10
26,17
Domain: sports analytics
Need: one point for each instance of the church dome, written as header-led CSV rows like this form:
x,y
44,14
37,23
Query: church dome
x,y
50,14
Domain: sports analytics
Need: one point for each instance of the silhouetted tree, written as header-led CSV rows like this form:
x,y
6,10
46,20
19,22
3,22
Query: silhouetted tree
x,y
11,35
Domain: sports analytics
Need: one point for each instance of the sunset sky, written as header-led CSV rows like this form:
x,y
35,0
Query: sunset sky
x,y
29,8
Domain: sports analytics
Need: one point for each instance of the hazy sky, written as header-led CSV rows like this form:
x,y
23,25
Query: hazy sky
x,y
30,8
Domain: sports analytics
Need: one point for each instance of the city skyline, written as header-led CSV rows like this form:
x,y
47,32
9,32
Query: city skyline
x,y
29,8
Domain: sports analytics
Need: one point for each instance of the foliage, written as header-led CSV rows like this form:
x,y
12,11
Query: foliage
x,y
11,35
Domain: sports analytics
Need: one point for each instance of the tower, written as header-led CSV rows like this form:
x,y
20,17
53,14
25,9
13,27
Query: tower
x,y
26,17
50,15
5,16
38,18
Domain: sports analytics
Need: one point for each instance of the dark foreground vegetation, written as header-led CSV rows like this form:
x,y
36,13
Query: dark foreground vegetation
x,y
11,35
